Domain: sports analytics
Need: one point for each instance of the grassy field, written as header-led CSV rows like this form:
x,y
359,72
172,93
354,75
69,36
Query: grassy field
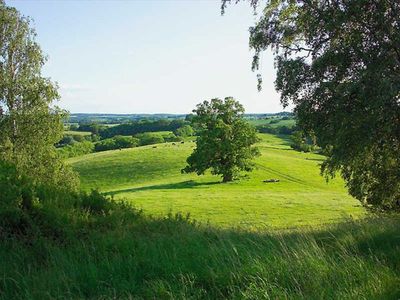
x,y
123,255
102,249
150,179
74,132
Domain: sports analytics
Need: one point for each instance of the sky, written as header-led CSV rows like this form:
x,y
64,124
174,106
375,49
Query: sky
x,y
149,56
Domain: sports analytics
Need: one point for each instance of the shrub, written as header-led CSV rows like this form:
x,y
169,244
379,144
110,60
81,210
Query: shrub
x,y
66,140
31,211
16,190
93,127
79,138
171,137
126,141
149,138
184,131
76,149
19,205
302,142
104,145
70,139
137,127
95,202
117,142
73,127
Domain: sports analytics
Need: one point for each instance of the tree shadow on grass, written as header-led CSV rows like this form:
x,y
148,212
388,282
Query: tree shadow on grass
x,y
316,159
188,184
286,139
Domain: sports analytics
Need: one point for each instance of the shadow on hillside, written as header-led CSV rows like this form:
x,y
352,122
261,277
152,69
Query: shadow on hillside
x,y
169,186
315,159
286,139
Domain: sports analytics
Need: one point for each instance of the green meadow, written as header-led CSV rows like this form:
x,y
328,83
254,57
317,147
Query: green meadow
x,y
103,206
299,238
149,178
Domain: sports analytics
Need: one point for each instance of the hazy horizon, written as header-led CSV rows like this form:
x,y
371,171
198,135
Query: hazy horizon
x,y
165,113
152,57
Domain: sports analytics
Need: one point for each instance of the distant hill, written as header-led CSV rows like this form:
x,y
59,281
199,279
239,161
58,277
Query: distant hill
x,y
122,118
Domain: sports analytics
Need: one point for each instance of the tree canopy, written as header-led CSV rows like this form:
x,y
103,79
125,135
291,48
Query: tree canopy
x,y
338,62
224,141
30,124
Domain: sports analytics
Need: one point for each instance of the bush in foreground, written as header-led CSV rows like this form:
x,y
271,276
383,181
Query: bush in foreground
x,y
30,212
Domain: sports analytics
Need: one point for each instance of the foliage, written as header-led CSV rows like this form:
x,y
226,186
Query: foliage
x,y
136,127
184,131
338,62
66,140
73,127
224,141
171,137
149,138
30,124
69,147
302,142
16,191
31,212
69,139
92,127
76,149
23,210
117,142
94,202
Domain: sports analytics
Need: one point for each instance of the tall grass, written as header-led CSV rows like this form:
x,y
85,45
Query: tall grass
x,y
119,253
86,246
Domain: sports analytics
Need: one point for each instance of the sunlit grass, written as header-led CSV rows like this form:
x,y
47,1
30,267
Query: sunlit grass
x,y
246,251
150,179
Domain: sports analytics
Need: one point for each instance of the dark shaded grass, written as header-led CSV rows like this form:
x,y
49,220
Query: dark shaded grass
x,y
169,186
123,254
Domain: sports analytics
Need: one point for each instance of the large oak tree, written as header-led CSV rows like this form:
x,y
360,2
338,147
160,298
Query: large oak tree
x,y
225,140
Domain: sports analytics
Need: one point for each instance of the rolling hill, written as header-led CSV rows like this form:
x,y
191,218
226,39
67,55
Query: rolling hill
x,y
149,177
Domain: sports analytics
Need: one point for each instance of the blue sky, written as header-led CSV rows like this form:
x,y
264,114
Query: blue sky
x,y
149,56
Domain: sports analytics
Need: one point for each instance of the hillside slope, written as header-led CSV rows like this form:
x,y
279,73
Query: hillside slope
x,y
150,178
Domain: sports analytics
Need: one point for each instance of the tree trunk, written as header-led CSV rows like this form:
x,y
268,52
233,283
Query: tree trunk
x,y
227,177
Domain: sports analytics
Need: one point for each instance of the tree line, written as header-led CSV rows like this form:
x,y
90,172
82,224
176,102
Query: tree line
x,y
131,128
75,145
